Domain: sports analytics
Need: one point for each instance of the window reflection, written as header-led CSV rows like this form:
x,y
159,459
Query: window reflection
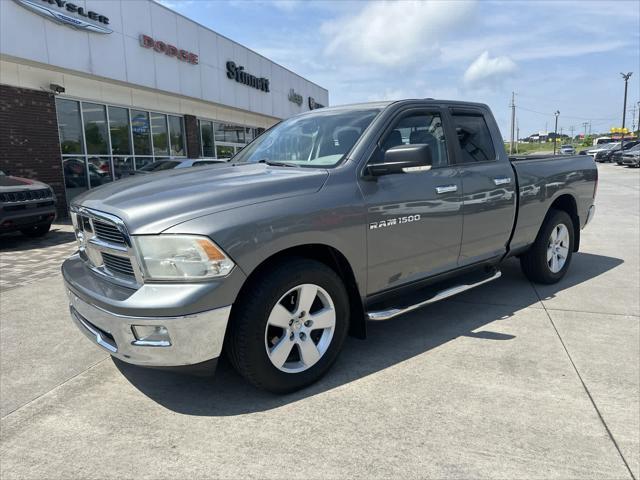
x,y
75,176
95,128
159,133
206,134
69,126
176,136
99,171
119,129
141,132
122,167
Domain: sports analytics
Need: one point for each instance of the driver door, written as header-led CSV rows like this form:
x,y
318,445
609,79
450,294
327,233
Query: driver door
x,y
414,219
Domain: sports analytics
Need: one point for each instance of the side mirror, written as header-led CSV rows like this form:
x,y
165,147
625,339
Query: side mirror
x,y
403,159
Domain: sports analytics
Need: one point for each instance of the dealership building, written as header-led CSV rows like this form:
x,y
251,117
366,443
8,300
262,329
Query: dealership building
x,y
93,89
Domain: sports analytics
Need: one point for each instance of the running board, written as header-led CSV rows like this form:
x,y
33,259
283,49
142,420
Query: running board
x,y
378,315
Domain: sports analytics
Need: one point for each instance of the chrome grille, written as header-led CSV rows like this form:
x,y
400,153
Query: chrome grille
x,y
25,195
108,232
106,247
117,264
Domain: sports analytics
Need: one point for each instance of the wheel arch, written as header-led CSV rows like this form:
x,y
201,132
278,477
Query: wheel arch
x,y
567,203
335,260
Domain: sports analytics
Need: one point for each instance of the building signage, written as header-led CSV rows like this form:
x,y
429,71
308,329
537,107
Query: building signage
x,y
58,10
162,47
313,104
237,73
295,97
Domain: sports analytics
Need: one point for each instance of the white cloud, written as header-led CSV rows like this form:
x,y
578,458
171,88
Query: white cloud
x,y
395,33
485,70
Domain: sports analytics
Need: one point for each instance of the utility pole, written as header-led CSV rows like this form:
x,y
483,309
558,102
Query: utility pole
x,y
589,127
584,124
555,131
633,119
513,120
517,135
626,78
638,115
571,129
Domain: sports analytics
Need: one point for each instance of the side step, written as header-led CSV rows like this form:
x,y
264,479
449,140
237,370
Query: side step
x,y
386,314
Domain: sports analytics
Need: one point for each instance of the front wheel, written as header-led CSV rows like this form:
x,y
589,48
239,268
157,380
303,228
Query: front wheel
x,y
548,259
289,326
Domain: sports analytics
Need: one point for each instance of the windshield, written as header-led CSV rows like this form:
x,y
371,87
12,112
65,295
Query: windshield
x,y
321,139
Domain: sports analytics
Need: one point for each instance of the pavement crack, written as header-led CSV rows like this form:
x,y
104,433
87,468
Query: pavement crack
x,y
584,386
54,388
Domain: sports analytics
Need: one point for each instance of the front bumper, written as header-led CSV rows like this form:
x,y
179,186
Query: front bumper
x,y
15,220
193,338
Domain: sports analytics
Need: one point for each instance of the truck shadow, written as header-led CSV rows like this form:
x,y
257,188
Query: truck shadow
x,y
16,242
388,343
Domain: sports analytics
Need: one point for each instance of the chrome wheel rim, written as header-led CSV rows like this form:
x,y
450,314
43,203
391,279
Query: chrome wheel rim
x,y
300,328
558,248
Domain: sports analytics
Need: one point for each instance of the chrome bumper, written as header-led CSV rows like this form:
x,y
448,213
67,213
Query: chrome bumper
x,y
192,338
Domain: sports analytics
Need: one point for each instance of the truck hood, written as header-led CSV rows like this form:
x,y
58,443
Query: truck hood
x,y
17,184
152,203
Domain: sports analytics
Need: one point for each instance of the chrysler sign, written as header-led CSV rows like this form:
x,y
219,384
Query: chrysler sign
x,y
68,13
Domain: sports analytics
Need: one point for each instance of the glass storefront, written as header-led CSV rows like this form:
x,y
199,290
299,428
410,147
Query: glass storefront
x,y
224,140
101,143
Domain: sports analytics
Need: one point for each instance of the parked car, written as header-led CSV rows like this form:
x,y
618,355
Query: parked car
x,y
567,150
600,151
27,206
265,256
615,155
631,158
176,163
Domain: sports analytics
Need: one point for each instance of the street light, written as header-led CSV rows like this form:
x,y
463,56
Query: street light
x,y
626,78
555,131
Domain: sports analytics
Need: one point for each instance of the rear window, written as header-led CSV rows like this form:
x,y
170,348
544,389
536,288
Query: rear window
x,y
474,137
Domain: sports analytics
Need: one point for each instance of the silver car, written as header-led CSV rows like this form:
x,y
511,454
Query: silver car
x,y
567,150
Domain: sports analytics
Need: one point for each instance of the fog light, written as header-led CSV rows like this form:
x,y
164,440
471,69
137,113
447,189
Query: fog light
x,y
151,335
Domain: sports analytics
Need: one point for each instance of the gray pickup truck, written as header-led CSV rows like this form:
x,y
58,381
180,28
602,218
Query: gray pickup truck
x,y
328,220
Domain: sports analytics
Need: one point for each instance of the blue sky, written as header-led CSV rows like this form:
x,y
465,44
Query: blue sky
x,y
555,55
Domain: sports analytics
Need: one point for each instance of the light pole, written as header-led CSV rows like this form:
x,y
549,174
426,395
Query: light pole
x,y
555,131
626,78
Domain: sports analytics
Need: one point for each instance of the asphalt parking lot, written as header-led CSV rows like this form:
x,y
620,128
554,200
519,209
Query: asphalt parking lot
x,y
508,380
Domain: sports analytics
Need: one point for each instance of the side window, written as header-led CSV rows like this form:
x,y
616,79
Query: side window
x,y
475,139
420,128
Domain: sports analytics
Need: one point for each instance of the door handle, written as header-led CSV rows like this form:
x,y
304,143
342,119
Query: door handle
x,y
446,188
502,180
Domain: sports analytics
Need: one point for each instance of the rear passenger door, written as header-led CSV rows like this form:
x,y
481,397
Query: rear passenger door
x,y
488,186
414,219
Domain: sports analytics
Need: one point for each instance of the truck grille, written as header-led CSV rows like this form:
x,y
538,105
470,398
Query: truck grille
x,y
25,196
108,232
105,245
117,265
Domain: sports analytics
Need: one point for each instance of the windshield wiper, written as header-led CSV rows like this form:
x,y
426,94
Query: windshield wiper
x,y
271,163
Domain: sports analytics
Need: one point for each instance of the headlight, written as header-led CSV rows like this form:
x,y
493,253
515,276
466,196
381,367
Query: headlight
x,y
181,257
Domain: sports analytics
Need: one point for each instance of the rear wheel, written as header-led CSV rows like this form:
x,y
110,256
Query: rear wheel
x,y
289,326
548,259
36,231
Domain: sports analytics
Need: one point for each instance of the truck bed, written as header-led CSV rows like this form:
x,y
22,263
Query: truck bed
x,y
540,179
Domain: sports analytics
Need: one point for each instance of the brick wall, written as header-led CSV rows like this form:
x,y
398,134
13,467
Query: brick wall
x,y
29,144
193,136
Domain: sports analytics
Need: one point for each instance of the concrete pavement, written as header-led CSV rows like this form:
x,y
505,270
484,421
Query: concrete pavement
x,y
509,380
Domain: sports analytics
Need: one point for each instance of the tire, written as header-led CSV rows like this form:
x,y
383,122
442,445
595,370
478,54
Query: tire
x,y
253,337
535,263
36,231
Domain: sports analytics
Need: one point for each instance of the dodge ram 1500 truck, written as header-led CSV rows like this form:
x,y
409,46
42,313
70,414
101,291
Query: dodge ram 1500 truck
x,y
328,220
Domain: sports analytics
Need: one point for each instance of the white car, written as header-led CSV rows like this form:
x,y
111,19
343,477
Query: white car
x,y
567,150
